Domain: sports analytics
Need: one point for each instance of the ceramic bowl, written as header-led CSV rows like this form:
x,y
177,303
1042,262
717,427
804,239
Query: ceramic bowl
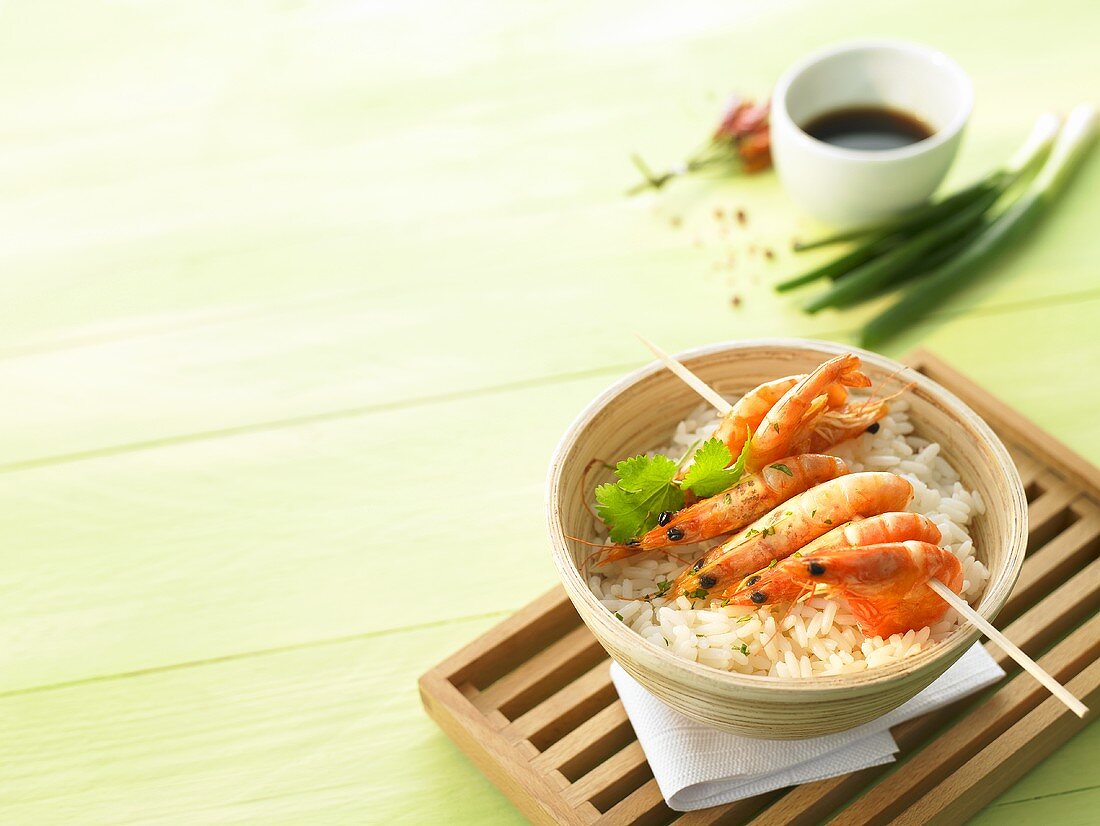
x,y
855,186
639,412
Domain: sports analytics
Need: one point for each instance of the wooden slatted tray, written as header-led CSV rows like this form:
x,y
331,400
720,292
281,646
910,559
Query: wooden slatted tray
x,y
532,703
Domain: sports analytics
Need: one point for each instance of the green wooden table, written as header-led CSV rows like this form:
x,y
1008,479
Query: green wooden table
x,y
297,300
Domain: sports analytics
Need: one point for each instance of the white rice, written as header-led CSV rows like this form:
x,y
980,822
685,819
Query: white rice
x,y
817,636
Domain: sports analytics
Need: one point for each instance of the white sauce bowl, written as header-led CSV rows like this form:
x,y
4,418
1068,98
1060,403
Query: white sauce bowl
x,y
855,186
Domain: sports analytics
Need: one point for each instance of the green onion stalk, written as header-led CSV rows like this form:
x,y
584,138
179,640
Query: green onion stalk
x,y
903,259
1072,145
912,219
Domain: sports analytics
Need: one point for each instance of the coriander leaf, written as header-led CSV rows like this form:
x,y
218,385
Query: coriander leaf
x,y
711,470
782,469
708,473
645,488
641,471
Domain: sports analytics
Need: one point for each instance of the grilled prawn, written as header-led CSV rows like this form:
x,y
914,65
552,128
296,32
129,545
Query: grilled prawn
x,y
885,586
789,527
777,584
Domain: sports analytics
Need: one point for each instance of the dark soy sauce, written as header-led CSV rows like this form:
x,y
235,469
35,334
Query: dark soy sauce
x,y
868,127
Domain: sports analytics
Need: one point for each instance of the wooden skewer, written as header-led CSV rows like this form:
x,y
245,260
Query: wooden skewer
x,y
1009,647
712,396
946,594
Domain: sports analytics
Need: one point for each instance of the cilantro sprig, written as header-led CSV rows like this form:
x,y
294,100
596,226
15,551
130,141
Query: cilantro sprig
x,y
646,486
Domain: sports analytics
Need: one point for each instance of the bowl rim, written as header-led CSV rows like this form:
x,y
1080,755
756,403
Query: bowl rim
x,y
663,662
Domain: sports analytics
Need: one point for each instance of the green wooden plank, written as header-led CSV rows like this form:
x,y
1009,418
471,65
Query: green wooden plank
x,y
216,547
329,734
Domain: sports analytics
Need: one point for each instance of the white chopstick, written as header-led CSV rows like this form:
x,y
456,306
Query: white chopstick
x,y
712,396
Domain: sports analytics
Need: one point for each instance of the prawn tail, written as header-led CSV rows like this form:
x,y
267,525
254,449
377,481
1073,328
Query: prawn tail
x,y
851,375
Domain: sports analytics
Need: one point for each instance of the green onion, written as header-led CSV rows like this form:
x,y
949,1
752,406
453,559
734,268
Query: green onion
x,y
902,259
842,265
913,219
1071,146
934,258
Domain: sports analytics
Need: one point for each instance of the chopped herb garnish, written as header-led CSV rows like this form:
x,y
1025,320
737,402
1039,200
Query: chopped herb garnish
x,y
698,593
773,563
798,554
744,649
775,426
751,532
619,617
813,513
745,618
647,486
783,469
662,587
828,521
769,531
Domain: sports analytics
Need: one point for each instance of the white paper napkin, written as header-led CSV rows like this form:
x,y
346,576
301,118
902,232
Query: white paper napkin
x,y
697,767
